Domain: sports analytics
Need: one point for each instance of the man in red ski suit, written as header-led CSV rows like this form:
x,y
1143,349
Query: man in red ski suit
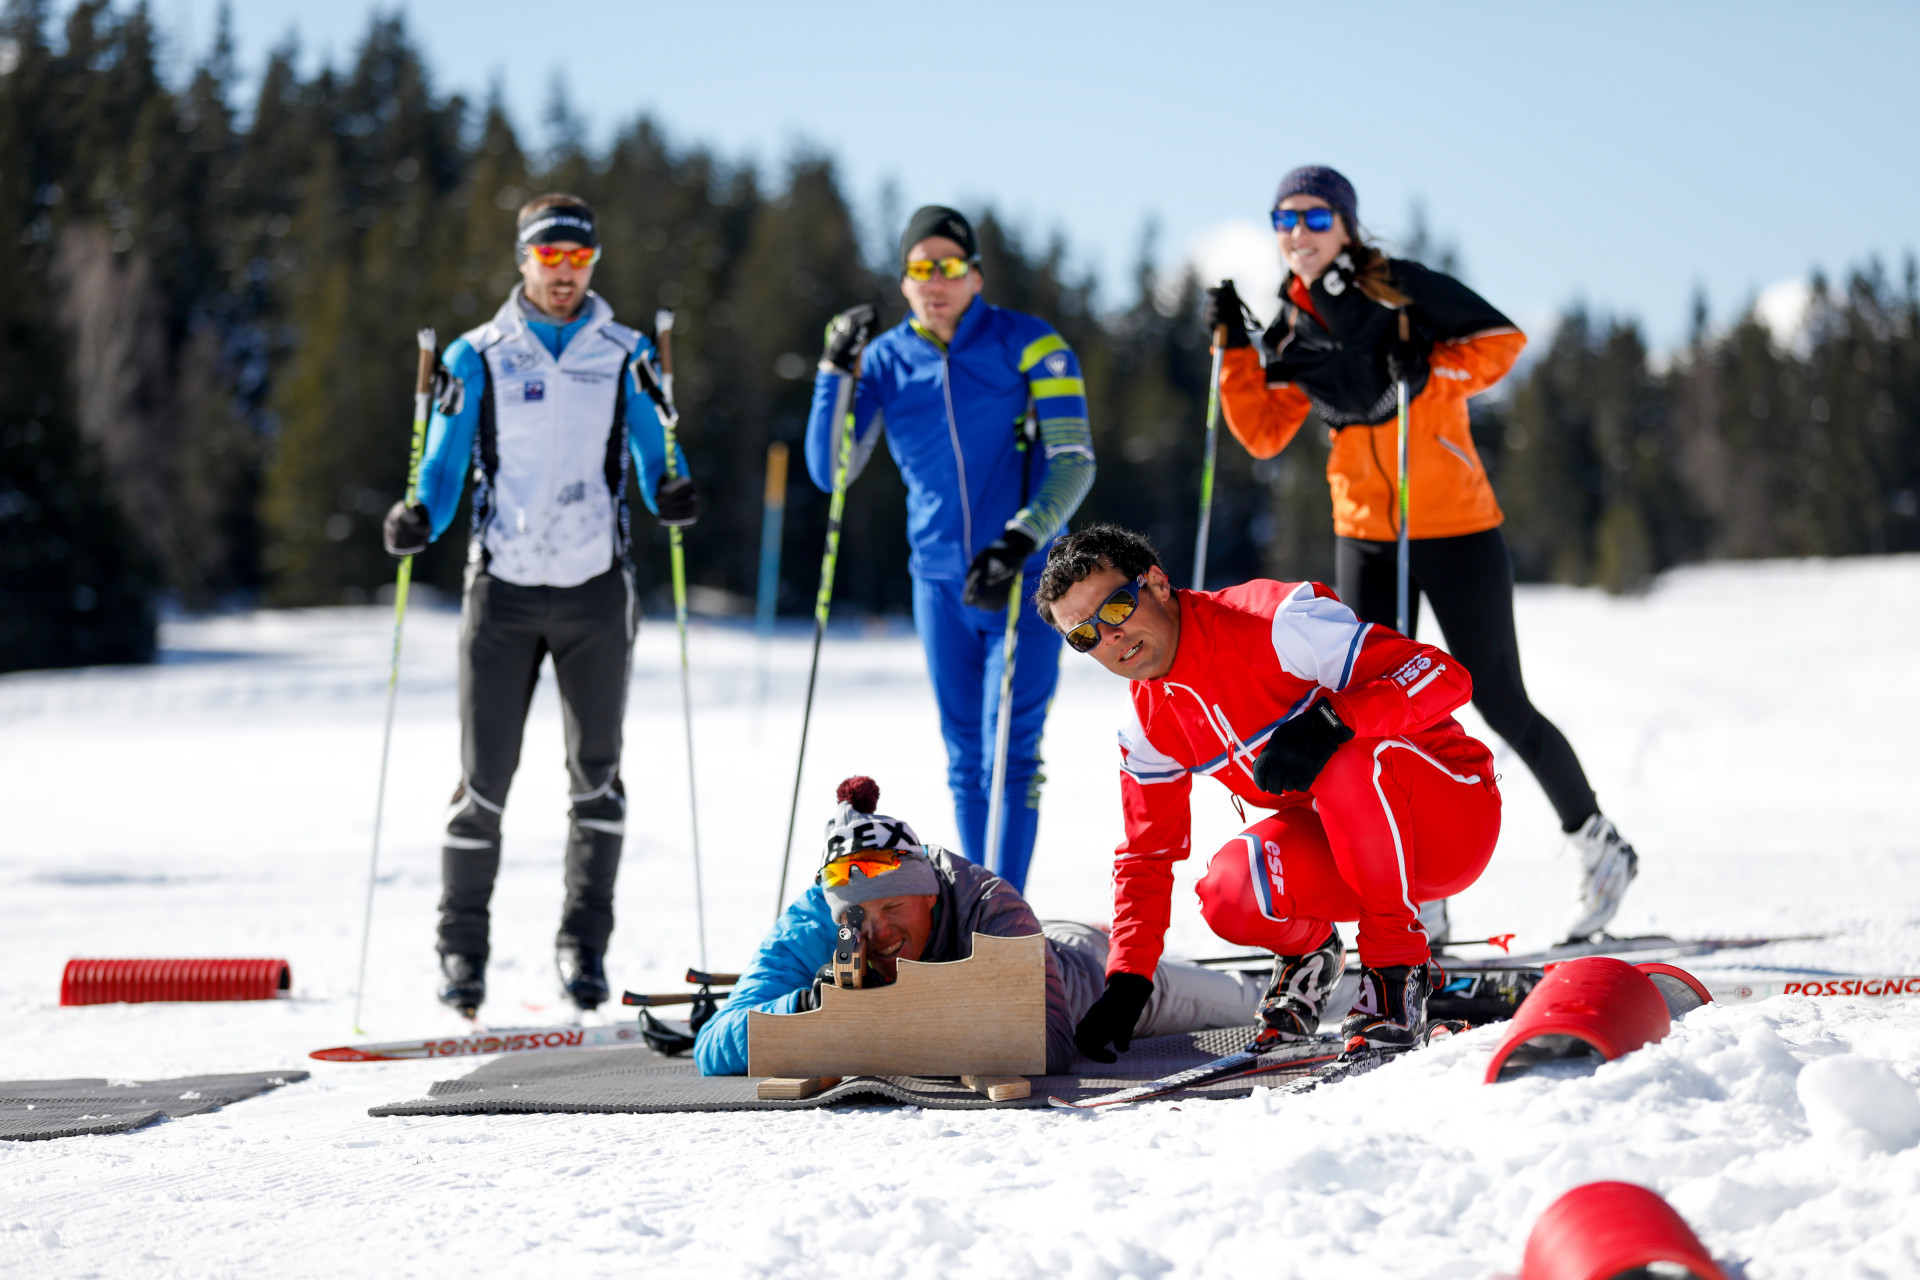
x,y
1344,729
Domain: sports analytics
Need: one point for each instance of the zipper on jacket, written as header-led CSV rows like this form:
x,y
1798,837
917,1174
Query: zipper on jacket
x,y
953,436
959,461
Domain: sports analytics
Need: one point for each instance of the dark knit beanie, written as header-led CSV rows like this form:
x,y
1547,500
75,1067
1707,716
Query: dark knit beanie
x,y
557,222
1327,183
938,220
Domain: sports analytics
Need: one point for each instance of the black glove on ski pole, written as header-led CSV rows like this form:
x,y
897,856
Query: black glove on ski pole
x,y
847,335
991,574
1224,310
407,529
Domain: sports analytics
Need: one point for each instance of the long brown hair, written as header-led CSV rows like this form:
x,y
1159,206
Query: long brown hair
x,y
1371,272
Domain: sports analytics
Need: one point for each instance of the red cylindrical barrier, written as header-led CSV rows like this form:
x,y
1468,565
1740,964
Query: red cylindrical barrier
x,y
1681,990
1603,1229
1595,1005
145,981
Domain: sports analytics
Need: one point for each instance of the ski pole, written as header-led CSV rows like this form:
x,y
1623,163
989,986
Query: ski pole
x,y
829,559
1206,468
422,398
660,389
1003,725
1403,614
772,520
1003,736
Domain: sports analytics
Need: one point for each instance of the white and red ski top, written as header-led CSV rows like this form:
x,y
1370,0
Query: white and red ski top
x,y
1250,658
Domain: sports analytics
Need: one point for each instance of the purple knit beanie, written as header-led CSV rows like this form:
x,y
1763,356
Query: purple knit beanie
x,y
1327,183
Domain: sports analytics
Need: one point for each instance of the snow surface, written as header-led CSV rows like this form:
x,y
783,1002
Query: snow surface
x,y
1748,727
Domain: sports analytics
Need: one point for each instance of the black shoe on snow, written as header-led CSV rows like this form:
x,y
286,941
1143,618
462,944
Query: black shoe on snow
x,y
1299,991
466,986
1391,1012
583,976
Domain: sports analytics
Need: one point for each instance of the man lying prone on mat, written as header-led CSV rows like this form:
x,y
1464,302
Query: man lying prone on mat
x,y
922,902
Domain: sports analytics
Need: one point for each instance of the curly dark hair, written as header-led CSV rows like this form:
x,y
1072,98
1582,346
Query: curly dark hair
x,y
1074,557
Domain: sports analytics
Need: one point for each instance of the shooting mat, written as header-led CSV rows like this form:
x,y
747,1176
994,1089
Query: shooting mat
x,y
637,1079
34,1109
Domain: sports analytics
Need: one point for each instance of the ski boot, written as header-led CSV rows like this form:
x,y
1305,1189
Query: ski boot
x,y
1391,1012
1299,992
465,988
1608,865
583,975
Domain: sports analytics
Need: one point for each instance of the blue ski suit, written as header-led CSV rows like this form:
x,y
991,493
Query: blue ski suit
x,y
953,416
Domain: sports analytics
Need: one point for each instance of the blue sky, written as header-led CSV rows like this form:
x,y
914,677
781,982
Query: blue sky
x,y
1623,154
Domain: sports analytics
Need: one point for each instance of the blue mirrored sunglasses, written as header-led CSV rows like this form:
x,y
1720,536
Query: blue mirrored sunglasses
x,y
1320,219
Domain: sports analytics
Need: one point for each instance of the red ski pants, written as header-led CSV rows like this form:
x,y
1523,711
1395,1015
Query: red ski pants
x,y
1389,827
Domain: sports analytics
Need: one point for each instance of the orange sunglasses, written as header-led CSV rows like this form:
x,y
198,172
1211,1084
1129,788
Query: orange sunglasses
x,y
872,862
548,255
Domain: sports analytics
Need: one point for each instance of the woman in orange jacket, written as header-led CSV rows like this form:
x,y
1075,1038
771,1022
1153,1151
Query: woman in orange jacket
x,y
1336,350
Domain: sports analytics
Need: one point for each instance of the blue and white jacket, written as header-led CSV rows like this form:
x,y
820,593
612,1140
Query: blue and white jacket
x,y
552,423
952,415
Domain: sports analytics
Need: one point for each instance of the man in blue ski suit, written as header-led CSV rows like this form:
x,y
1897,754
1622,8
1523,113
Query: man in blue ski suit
x,y
954,387
541,405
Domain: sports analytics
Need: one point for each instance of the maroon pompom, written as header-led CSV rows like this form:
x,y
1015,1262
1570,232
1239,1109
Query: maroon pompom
x,y
860,791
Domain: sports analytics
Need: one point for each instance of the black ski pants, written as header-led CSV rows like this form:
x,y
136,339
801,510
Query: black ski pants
x,y
1469,582
506,632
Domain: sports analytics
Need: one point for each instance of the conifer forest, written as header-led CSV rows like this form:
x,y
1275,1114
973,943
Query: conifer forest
x,y
207,351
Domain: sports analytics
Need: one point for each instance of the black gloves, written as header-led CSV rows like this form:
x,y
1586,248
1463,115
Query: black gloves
x,y
1300,749
1224,308
847,333
407,530
810,997
990,576
677,501
1113,1016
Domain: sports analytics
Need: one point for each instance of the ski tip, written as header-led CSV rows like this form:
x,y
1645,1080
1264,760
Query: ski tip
x,y
346,1053
1064,1105
426,339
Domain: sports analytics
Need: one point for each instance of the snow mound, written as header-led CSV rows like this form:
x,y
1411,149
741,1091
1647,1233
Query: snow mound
x,y
1859,1104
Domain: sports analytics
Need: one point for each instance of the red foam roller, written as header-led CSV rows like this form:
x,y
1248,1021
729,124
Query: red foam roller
x,y
147,981
1602,1229
1595,1003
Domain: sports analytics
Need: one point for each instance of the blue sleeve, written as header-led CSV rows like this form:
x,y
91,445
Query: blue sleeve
x,y
784,966
647,436
823,433
1060,405
449,452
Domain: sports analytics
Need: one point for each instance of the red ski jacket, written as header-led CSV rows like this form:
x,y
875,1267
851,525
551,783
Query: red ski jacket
x,y
1250,658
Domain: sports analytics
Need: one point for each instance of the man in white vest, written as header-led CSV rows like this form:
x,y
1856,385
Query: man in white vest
x,y
540,405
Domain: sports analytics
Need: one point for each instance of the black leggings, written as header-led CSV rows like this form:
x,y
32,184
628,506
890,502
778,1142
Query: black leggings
x,y
1469,582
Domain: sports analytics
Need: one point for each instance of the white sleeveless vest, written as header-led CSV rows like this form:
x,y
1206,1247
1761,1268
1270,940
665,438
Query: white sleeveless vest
x,y
551,459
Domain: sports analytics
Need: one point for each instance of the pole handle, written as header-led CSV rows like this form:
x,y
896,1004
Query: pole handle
x,y
1405,328
1219,335
423,379
776,496
663,340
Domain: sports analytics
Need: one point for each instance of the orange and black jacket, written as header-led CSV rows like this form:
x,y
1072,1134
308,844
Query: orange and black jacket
x,y
1327,352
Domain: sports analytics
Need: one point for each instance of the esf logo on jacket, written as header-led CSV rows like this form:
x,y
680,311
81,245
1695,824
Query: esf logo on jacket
x,y
551,453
